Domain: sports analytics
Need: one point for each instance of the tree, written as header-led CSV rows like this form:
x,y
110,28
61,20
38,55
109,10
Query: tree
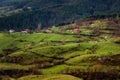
x,y
39,28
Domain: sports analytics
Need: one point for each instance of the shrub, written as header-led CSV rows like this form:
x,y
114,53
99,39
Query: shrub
x,y
94,48
87,51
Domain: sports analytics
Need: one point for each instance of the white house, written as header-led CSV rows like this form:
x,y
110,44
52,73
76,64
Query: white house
x,y
11,31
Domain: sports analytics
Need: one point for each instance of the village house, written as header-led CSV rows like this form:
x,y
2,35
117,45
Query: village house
x,y
48,31
11,31
76,31
26,31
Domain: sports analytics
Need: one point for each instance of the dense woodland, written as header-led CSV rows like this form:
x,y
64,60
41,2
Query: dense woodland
x,y
20,14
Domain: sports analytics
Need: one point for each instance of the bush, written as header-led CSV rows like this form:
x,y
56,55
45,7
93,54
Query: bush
x,y
87,51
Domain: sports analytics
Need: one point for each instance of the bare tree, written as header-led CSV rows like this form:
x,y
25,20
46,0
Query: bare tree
x,y
38,28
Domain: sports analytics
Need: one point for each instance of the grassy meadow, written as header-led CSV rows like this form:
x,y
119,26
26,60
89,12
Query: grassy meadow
x,y
55,56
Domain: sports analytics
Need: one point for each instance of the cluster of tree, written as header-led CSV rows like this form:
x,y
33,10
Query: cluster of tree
x,y
103,16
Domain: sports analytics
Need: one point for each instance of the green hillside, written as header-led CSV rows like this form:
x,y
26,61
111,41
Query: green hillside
x,y
50,77
60,56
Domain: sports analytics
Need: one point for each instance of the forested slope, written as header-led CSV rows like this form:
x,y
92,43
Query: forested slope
x,y
19,14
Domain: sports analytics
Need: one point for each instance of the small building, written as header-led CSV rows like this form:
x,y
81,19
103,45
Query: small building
x,y
11,31
48,31
26,31
76,31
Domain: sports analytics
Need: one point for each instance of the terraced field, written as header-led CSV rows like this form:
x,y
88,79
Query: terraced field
x,y
42,56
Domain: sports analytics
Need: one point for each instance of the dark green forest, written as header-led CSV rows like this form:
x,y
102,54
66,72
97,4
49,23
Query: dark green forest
x,y
21,14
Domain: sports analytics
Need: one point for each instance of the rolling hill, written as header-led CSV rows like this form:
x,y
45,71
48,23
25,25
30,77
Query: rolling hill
x,y
92,54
